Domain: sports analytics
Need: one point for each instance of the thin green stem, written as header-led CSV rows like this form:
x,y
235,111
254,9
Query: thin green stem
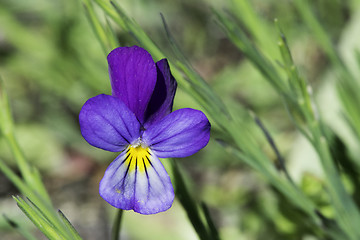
x,y
115,235
270,140
30,175
189,204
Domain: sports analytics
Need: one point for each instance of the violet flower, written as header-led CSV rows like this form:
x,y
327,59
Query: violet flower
x,y
137,122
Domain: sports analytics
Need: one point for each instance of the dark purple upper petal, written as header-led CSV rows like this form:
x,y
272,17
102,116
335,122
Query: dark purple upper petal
x,y
161,101
133,77
179,134
107,123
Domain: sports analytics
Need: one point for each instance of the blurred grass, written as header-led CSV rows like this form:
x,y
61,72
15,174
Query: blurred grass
x,y
51,62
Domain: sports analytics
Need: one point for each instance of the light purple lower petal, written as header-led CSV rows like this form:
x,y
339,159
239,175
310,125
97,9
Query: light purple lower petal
x,y
179,134
107,123
138,182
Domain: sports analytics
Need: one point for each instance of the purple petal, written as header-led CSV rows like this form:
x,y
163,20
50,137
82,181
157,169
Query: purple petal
x,y
179,134
133,77
161,101
107,123
137,180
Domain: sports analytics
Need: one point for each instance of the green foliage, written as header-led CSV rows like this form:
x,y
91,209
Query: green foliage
x,y
39,210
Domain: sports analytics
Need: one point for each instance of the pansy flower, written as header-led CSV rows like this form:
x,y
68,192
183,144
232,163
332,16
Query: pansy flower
x,y
137,121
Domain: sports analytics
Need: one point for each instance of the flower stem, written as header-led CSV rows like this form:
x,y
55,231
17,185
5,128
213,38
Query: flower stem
x,y
115,235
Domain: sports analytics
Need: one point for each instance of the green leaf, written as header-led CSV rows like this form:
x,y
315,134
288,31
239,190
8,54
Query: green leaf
x,y
39,221
75,235
23,231
189,204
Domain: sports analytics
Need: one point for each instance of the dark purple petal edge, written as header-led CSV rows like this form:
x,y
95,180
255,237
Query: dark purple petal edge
x,y
162,99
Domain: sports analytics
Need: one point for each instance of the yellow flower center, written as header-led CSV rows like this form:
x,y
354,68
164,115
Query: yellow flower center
x,y
138,158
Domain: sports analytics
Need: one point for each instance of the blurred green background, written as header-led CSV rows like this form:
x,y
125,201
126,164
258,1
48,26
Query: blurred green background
x,y
51,62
